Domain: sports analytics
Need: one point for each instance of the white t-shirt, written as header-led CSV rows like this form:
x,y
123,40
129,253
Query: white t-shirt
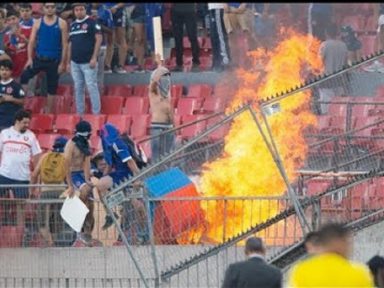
x,y
216,6
16,151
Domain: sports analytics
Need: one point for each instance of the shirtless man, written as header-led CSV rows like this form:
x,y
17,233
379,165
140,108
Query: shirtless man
x,y
162,111
78,173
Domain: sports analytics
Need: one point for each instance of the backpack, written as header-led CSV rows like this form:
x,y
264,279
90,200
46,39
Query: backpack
x,y
52,169
136,151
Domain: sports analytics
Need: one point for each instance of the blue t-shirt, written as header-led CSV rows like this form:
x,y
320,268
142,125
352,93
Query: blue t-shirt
x,y
82,37
234,5
117,156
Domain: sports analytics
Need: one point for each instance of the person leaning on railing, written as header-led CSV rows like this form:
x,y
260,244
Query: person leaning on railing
x,y
50,170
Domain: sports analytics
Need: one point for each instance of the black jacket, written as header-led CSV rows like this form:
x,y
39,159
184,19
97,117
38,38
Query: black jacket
x,y
252,273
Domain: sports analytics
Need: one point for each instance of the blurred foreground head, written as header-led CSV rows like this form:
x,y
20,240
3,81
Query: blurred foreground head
x,y
312,243
254,245
335,238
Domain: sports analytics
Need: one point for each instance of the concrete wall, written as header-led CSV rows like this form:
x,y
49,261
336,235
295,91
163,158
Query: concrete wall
x,y
90,267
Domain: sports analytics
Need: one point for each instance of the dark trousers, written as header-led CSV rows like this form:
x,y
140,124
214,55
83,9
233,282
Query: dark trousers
x,y
319,25
219,38
190,21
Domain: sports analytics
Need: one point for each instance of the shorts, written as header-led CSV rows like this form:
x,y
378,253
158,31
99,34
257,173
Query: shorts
x,y
119,18
78,179
49,66
139,20
234,21
19,193
119,177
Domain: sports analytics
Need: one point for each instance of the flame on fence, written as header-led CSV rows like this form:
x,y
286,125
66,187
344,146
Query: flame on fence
x,y
247,167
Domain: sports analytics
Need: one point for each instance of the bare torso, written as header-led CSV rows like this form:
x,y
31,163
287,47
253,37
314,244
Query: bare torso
x,y
77,158
161,109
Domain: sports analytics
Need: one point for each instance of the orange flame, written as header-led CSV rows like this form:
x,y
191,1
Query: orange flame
x,y
247,167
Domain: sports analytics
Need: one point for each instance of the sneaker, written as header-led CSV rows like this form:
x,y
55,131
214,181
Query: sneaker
x,y
177,69
120,70
195,68
139,70
107,69
109,221
85,238
375,67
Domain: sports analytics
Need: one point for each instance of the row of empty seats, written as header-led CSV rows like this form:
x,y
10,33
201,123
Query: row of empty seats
x,y
130,106
126,90
367,195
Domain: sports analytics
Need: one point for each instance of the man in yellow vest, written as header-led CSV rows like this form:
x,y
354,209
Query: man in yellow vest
x,y
331,267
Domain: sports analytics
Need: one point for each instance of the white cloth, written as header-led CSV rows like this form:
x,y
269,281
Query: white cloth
x,y
380,22
17,150
212,6
74,212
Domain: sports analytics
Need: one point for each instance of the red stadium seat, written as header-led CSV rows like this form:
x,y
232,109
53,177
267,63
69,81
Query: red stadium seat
x,y
218,133
136,105
139,127
112,105
199,90
65,90
194,129
95,143
11,236
46,140
323,122
338,109
96,121
371,25
212,104
65,123
63,104
119,90
177,90
140,90
207,44
87,106
368,42
36,104
42,123
186,106
315,187
121,122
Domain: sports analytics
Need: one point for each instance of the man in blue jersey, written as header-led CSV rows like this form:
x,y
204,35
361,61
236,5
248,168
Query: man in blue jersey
x,y
50,36
85,41
121,166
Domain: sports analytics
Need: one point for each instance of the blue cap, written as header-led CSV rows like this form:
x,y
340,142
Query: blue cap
x,y
59,144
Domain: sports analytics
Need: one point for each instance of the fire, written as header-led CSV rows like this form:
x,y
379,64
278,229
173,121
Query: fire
x,y
247,167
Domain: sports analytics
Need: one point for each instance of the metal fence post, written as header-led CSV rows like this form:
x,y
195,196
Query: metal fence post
x,y
152,239
275,155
